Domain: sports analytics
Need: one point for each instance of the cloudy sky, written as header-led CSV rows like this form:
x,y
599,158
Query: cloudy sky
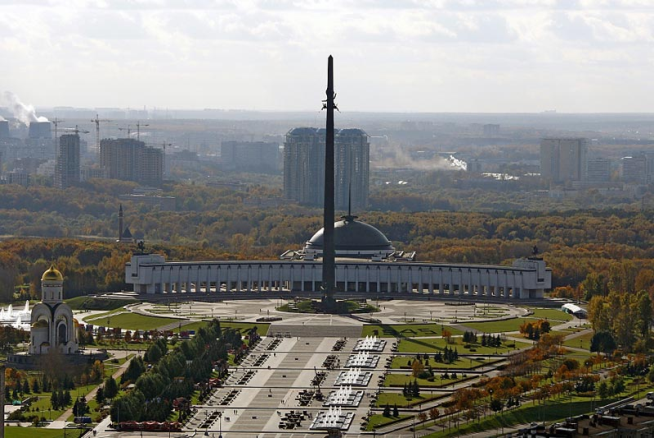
x,y
390,55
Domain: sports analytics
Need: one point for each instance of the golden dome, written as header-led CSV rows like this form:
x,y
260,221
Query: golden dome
x,y
52,274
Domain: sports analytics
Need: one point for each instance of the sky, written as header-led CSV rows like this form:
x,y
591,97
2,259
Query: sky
x,y
389,55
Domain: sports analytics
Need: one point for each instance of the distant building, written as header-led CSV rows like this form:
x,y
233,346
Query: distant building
x,y
598,170
491,129
130,160
40,130
67,170
28,165
39,143
304,167
18,177
634,169
91,172
4,129
246,156
563,160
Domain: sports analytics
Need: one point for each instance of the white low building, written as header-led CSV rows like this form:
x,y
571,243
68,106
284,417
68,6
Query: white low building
x,y
366,263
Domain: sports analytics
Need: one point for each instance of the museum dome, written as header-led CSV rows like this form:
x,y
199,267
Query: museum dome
x,y
52,274
351,235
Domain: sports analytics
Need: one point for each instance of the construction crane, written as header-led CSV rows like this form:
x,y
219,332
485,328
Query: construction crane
x,y
56,123
138,130
128,129
97,121
76,130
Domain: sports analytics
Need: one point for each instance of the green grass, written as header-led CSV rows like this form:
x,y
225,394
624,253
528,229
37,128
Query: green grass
x,y
431,345
551,314
133,321
505,325
582,341
43,404
315,306
407,330
243,327
463,363
120,345
399,380
392,399
31,432
92,303
91,319
549,411
379,420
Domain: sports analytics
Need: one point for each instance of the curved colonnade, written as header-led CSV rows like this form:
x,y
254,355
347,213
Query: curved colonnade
x,y
527,278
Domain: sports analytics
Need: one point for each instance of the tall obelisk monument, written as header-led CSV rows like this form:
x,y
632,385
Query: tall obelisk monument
x,y
329,252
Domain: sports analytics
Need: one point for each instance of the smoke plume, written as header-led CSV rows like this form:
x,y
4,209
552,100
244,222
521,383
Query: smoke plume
x,y
23,112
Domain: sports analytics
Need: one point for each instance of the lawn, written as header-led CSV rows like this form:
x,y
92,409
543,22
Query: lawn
x,y
553,314
406,330
399,380
315,306
42,405
505,325
432,345
93,303
395,398
30,432
525,414
376,421
243,327
461,364
582,341
91,319
134,321
118,344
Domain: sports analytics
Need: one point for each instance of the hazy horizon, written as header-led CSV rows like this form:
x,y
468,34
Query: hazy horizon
x,y
440,56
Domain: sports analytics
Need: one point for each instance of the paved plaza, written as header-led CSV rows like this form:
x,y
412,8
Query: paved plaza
x,y
283,385
391,312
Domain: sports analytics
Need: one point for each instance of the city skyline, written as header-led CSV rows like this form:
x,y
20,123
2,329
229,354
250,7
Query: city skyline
x,y
442,56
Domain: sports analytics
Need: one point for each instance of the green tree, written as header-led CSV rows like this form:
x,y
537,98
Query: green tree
x,y
602,342
643,313
110,387
99,396
602,390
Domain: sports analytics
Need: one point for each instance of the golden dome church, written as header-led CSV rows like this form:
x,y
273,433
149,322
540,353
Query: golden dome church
x,y
52,323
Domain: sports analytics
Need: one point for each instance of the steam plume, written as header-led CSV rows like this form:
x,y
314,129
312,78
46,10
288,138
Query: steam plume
x,y
23,112
2,119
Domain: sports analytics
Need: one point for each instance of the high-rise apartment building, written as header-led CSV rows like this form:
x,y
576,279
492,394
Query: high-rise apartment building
x,y
563,159
598,170
130,160
67,161
304,167
250,156
634,169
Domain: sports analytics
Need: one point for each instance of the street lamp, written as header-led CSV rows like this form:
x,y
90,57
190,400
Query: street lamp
x,y
220,425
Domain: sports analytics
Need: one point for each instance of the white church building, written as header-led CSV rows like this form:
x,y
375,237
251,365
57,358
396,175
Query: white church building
x,y
52,324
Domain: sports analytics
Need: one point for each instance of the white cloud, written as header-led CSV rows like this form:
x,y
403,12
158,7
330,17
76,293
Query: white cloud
x,y
423,55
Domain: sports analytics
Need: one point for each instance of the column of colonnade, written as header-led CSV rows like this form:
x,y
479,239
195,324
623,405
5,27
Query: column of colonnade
x,y
371,278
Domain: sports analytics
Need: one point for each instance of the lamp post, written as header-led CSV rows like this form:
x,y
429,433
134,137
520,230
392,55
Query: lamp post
x,y
220,425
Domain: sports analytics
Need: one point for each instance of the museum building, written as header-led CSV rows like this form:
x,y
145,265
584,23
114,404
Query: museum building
x,y
366,262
